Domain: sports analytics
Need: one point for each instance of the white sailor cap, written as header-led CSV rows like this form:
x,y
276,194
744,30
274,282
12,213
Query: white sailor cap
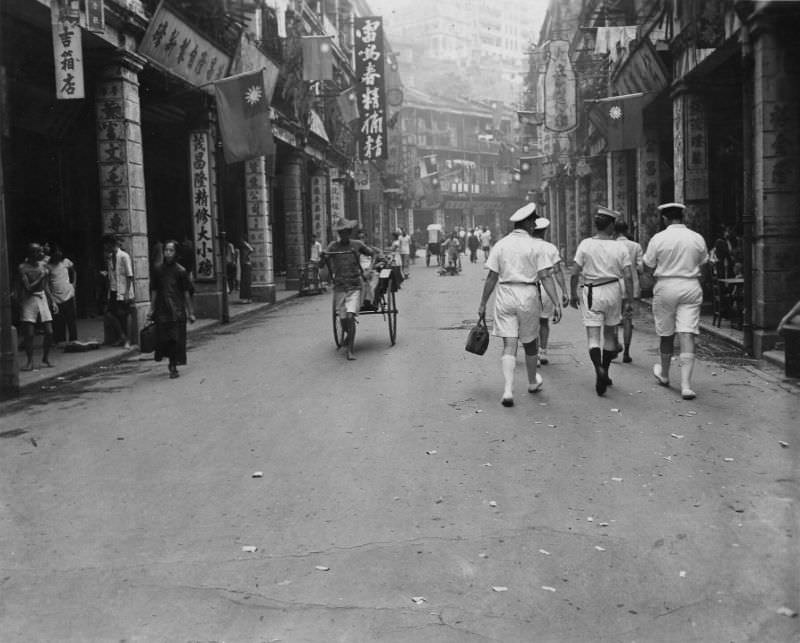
x,y
608,212
523,213
541,223
671,206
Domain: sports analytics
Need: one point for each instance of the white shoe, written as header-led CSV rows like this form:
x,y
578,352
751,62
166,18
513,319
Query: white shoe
x,y
535,388
663,381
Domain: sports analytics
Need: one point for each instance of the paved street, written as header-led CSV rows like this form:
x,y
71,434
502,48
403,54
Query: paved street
x,y
400,501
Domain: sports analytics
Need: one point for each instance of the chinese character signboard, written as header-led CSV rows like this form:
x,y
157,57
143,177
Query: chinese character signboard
x,y
172,45
199,171
95,16
318,223
371,88
337,195
361,175
67,48
560,89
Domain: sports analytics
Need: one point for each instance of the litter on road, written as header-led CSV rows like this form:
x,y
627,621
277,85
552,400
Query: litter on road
x,y
599,548
785,611
544,551
785,445
419,600
492,503
499,588
547,588
432,452
617,479
727,459
258,474
322,568
677,436
250,549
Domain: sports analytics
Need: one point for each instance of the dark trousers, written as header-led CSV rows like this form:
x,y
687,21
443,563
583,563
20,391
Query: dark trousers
x,y
64,322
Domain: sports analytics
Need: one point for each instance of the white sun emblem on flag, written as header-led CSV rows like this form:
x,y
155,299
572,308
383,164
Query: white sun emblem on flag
x,y
253,95
615,112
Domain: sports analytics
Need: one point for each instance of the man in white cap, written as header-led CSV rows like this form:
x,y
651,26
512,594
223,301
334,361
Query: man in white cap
x,y
342,258
676,256
540,227
518,268
604,264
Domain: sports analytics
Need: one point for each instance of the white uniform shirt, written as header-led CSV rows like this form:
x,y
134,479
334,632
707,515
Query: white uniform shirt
x,y
601,259
486,238
405,244
119,269
518,258
635,252
676,252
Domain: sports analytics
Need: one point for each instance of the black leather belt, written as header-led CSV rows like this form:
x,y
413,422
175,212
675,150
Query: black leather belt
x,y
590,287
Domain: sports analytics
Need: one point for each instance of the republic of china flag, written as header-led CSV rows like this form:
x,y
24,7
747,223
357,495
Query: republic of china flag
x,y
619,120
243,110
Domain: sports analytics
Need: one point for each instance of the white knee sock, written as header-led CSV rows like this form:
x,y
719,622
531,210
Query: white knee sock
x,y
687,368
509,362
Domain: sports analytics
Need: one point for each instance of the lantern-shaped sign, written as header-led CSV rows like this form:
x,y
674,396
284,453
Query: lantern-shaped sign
x,y
560,95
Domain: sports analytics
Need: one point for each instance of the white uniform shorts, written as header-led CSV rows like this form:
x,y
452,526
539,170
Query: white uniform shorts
x,y
676,306
35,307
517,309
346,301
606,307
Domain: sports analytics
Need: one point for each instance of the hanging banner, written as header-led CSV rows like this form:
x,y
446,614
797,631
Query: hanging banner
x,y
318,199
202,220
371,91
337,194
172,45
560,89
361,175
65,16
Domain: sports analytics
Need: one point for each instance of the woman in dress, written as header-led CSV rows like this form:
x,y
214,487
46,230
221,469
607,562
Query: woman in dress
x,y
171,293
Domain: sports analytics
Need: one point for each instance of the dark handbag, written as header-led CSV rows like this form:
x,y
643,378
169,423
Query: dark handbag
x,y
147,338
478,338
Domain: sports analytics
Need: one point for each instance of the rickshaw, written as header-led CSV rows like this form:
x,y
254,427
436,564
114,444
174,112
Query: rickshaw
x,y
390,276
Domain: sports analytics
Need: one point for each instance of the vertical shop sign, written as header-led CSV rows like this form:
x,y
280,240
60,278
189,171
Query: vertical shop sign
x,y
95,16
318,195
371,87
67,48
337,195
560,90
361,175
203,222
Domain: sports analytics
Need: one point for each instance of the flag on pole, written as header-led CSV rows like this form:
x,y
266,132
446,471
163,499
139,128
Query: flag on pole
x,y
348,104
244,116
317,58
619,120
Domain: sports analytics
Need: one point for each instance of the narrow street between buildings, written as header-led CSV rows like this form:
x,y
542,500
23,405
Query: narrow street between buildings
x,y
278,492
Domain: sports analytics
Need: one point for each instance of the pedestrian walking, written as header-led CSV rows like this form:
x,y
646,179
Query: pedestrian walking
x,y
518,269
604,264
231,268
635,253
171,292
473,243
36,303
676,256
405,251
343,261
62,288
246,270
121,296
540,227
485,237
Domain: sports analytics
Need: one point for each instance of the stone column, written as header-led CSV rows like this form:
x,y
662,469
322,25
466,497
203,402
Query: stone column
x,y
570,215
647,187
119,157
776,238
295,229
259,230
690,140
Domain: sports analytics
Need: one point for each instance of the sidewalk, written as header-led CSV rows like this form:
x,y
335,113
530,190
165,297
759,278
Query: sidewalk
x,y
735,337
92,329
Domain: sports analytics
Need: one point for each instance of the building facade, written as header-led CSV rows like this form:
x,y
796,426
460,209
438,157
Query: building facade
x,y
712,90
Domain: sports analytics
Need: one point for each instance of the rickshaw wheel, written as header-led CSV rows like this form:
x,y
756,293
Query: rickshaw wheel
x,y
391,315
338,331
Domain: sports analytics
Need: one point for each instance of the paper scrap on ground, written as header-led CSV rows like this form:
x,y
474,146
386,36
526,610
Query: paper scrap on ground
x,y
258,474
547,588
499,588
419,600
250,549
322,568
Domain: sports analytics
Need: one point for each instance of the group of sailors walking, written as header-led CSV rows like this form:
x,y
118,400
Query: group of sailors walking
x,y
604,285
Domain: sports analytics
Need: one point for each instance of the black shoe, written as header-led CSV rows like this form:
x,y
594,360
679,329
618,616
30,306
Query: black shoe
x,y
626,359
601,382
